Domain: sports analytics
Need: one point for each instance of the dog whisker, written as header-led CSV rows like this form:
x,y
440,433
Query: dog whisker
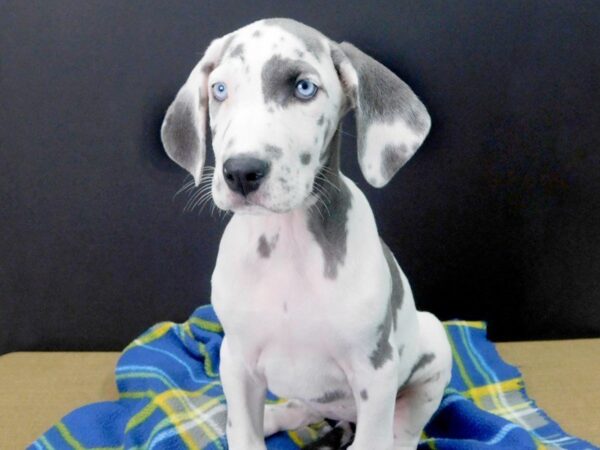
x,y
329,182
345,132
187,186
191,200
322,193
319,197
198,194
202,202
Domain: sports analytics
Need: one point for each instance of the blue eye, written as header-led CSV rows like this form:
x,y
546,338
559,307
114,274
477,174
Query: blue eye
x,y
305,89
219,91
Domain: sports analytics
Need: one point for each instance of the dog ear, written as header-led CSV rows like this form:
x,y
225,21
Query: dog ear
x,y
391,121
183,131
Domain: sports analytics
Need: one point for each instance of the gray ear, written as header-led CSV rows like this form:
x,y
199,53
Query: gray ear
x,y
183,130
391,122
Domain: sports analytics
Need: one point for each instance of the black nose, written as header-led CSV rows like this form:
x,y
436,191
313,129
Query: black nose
x,y
244,174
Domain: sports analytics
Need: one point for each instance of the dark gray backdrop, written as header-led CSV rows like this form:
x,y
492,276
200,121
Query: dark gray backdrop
x,y
497,217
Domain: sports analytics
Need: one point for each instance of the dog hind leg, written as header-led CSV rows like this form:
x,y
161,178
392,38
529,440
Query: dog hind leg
x,y
288,415
421,396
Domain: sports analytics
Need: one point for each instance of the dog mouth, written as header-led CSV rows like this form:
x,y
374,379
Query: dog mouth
x,y
258,206
248,205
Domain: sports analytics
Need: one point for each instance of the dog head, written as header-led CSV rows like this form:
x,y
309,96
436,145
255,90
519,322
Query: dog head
x,y
272,95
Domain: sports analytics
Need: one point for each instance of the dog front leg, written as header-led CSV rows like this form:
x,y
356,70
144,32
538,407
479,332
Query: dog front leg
x,y
374,392
245,396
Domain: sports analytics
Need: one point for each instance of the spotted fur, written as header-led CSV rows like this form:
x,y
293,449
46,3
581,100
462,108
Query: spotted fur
x,y
314,307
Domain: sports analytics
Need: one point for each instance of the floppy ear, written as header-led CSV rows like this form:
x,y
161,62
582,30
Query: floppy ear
x,y
183,131
391,122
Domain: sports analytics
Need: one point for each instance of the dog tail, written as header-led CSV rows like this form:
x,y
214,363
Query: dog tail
x,y
340,437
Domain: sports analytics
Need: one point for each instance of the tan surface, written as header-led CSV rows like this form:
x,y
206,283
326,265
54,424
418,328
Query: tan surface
x,y
37,389
563,377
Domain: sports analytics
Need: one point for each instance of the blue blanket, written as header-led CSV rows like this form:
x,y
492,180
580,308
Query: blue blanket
x,y
170,397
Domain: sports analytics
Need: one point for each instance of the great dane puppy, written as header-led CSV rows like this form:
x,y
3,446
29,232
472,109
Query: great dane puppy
x,y
313,304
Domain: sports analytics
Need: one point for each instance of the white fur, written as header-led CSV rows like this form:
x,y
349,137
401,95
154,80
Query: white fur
x,y
288,328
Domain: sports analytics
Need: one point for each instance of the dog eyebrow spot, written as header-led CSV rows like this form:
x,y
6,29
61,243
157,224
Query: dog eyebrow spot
x,y
305,158
279,76
207,68
238,50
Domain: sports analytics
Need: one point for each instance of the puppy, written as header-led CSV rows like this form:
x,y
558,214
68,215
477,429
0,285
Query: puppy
x,y
313,304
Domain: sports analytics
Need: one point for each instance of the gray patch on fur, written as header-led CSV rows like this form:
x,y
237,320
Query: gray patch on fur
x,y
327,129
273,151
383,350
179,134
382,97
209,66
331,396
321,120
397,293
424,360
400,351
305,158
327,220
265,247
325,154
310,37
279,76
392,159
364,395
256,34
238,51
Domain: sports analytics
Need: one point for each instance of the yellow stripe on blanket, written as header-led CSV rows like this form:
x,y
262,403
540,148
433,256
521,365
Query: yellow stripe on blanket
x,y
156,332
477,393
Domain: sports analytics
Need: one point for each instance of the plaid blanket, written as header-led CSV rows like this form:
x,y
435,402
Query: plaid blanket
x,y
171,398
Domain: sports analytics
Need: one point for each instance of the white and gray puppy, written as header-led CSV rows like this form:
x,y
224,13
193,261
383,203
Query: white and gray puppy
x,y
313,304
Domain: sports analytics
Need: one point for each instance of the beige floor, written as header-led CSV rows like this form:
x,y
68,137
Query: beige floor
x,y
37,389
